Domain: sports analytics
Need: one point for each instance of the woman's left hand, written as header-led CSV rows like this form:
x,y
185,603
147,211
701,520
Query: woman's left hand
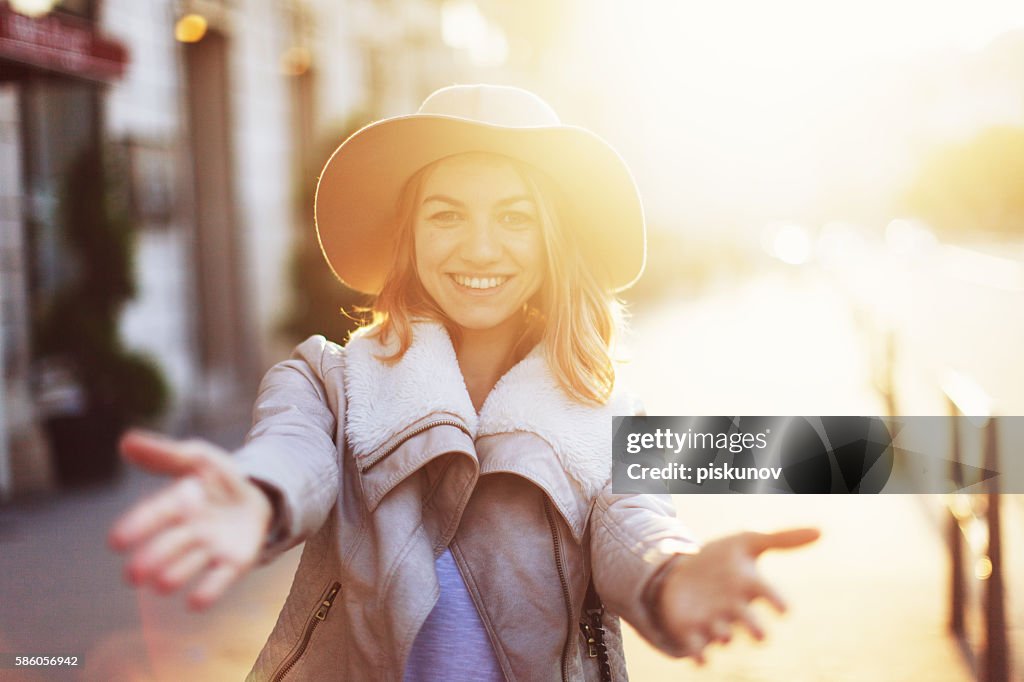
x,y
705,594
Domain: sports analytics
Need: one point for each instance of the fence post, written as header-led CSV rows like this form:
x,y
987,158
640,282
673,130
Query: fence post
x,y
997,659
958,589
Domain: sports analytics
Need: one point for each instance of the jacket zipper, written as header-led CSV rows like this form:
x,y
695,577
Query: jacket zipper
x,y
560,565
415,432
326,601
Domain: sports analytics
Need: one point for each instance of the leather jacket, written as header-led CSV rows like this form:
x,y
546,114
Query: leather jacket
x,y
378,467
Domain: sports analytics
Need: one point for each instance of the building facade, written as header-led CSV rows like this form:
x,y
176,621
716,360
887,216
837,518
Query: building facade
x,y
215,112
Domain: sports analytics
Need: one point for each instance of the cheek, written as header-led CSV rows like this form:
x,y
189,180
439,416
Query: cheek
x,y
425,264
427,252
529,252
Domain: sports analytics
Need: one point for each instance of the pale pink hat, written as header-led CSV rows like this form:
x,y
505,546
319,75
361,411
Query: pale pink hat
x,y
359,186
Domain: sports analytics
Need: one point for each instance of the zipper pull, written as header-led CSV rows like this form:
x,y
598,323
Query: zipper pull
x,y
325,605
591,642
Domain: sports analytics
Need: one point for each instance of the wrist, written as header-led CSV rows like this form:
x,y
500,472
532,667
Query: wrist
x,y
654,592
274,527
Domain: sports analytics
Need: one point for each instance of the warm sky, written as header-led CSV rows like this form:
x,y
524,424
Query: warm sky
x,y
764,107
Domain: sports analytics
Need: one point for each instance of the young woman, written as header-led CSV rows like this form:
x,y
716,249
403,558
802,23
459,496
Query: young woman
x,y
449,467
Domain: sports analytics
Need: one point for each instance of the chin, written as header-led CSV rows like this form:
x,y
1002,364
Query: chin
x,y
480,322
477,325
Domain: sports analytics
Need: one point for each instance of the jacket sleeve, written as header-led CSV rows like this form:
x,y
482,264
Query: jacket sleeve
x,y
290,451
633,537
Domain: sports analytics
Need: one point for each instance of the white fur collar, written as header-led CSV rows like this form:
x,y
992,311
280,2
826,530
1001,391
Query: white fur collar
x,y
384,399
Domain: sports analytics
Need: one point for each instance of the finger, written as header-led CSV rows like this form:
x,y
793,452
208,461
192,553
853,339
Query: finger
x,y
164,549
763,589
783,539
212,585
222,481
183,569
695,643
751,623
160,454
168,506
721,631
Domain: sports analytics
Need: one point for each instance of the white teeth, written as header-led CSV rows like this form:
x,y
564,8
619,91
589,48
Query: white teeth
x,y
479,282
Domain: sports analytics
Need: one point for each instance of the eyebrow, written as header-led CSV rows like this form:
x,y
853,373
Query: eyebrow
x,y
455,202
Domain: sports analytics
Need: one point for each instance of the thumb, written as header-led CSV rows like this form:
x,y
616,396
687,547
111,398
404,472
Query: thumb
x,y
783,539
158,453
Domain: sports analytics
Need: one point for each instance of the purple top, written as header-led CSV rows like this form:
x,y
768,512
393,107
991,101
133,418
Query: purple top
x,y
453,644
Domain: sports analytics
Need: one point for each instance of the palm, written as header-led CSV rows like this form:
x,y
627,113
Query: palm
x,y
222,519
211,522
707,593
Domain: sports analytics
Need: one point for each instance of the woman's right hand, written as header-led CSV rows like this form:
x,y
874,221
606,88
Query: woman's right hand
x,y
210,523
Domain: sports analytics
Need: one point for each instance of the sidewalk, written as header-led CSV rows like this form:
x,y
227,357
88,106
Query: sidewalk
x,y
62,594
867,601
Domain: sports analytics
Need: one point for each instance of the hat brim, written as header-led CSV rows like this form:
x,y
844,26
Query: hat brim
x,y
358,189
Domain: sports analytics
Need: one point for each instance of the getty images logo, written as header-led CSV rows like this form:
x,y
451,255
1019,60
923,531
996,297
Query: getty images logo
x,y
818,455
830,454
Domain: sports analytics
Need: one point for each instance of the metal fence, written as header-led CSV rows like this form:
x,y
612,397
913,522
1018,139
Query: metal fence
x,y
975,539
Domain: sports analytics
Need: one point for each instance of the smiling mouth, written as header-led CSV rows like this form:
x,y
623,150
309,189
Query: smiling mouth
x,y
480,283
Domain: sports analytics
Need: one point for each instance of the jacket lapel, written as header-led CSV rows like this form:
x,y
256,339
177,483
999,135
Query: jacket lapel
x,y
385,400
528,398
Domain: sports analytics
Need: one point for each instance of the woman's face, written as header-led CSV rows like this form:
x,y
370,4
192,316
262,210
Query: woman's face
x,y
479,247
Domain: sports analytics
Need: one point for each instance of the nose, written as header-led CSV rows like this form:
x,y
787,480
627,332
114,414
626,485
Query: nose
x,y
482,245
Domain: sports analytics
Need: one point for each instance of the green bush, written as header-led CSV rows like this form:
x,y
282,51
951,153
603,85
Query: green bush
x,y
78,325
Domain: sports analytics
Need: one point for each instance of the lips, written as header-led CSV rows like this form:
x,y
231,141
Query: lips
x,y
478,282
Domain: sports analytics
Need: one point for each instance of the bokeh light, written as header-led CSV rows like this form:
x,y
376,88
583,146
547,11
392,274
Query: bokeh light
x,y
190,28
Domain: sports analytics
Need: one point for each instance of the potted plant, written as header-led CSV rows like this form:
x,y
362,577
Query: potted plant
x,y
76,331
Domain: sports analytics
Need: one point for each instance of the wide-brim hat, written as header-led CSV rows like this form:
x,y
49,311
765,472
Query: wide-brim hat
x,y
358,190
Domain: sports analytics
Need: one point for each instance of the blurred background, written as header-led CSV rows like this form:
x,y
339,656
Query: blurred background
x,y
835,201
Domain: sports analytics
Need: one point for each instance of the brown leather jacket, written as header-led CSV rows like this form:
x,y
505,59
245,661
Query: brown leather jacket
x,y
379,467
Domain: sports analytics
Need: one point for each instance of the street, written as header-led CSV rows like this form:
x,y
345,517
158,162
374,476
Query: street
x,y
867,601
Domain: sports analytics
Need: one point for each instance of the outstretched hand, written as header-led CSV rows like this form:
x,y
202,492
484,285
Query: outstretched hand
x,y
209,524
706,594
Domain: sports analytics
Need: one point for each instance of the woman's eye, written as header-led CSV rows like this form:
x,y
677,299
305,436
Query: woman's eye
x,y
516,219
446,216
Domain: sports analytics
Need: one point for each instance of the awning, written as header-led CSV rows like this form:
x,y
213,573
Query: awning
x,y
61,43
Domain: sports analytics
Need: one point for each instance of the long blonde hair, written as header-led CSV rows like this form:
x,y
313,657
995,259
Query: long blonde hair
x,y
572,314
